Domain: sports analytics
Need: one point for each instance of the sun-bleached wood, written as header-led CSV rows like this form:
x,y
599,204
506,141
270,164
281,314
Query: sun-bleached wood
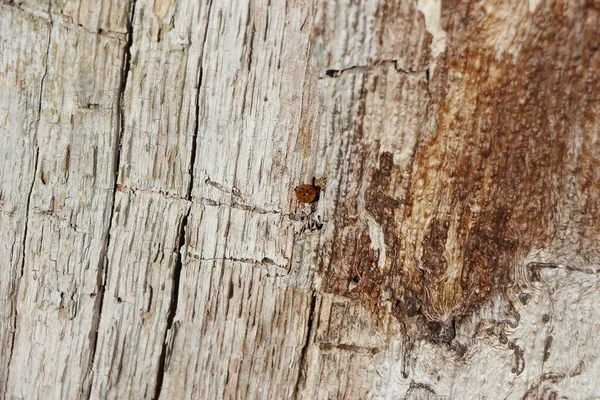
x,y
151,245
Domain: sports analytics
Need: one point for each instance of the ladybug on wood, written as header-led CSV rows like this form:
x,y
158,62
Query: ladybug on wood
x,y
307,193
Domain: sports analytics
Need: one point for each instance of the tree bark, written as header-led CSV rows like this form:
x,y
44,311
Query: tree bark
x,y
152,245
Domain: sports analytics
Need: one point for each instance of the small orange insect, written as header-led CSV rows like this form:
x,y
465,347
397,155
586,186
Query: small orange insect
x,y
307,193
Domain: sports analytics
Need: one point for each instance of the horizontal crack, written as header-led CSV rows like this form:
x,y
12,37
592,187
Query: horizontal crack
x,y
266,261
257,209
136,191
349,347
213,203
298,217
334,73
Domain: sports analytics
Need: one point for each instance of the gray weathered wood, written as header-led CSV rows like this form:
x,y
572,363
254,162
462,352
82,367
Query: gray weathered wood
x,y
152,246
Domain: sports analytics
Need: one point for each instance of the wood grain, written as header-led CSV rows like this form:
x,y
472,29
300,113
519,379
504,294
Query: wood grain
x,y
152,245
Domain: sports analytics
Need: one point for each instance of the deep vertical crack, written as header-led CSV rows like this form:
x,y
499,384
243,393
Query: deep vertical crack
x,y
180,248
102,274
188,194
14,300
181,242
190,187
301,380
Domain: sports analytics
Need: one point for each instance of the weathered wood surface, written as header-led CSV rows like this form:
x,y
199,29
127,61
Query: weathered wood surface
x,y
152,247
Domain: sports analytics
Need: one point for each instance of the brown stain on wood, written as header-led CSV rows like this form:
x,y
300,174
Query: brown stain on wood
x,y
486,187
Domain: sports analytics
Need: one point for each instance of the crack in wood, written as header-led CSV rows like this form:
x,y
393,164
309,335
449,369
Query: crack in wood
x,y
197,109
325,346
257,209
164,353
193,151
298,217
14,311
303,365
361,69
135,190
265,261
102,274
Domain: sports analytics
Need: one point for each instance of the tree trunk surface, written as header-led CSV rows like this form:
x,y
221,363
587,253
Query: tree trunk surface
x,y
152,245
